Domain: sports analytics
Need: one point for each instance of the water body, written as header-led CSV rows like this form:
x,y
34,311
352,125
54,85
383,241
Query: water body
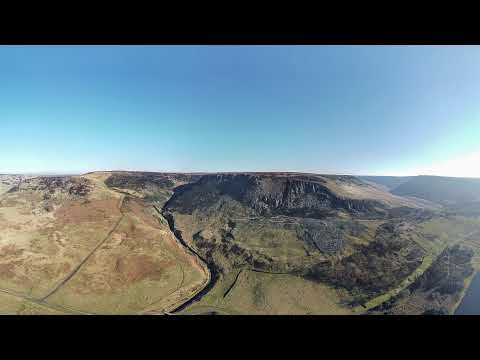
x,y
470,304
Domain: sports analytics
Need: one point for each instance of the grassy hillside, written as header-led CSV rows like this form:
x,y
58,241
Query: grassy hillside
x,y
73,245
444,190
389,182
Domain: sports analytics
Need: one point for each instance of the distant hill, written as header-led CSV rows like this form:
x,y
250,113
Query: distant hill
x,y
390,182
444,190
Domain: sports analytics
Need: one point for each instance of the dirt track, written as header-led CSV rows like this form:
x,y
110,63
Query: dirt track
x,y
77,268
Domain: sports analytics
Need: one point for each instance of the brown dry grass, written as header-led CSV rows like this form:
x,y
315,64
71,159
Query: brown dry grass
x,y
138,266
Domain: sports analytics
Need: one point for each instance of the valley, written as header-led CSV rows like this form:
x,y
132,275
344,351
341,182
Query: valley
x,y
231,243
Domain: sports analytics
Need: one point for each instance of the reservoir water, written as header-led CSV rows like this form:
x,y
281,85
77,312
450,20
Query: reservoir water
x,y
470,304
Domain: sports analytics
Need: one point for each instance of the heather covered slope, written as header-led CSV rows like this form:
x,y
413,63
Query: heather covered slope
x,y
73,245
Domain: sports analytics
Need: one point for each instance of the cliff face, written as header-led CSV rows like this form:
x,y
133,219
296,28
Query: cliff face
x,y
270,195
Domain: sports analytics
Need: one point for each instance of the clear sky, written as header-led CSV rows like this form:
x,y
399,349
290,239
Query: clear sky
x,y
371,110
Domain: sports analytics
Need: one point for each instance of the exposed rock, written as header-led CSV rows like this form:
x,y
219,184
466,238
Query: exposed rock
x,y
270,195
75,186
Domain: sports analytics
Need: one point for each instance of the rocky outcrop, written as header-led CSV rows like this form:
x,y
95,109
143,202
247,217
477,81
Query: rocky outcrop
x,y
139,181
50,185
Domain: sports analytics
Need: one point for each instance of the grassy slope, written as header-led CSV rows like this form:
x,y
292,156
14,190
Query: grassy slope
x,y
389,182
40,248
270,294
140,264
441,189
4,188
433,236
14,305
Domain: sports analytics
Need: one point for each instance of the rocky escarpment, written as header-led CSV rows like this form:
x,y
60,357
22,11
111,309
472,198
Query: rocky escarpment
x,y
266,195
7,182
139,181
50,192
51,185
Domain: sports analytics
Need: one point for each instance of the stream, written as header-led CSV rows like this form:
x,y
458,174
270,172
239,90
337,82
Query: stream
x,y
213,272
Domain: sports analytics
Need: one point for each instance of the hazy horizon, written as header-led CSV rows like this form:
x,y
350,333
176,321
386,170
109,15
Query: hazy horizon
x,y
53,173
356,110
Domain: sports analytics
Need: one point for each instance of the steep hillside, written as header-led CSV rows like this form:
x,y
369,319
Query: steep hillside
x,y
438,290
334,233
289,194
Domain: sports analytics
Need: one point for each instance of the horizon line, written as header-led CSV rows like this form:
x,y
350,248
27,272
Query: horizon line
x,y
81,173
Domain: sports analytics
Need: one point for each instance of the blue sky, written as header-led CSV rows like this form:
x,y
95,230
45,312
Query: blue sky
x,y
393,110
